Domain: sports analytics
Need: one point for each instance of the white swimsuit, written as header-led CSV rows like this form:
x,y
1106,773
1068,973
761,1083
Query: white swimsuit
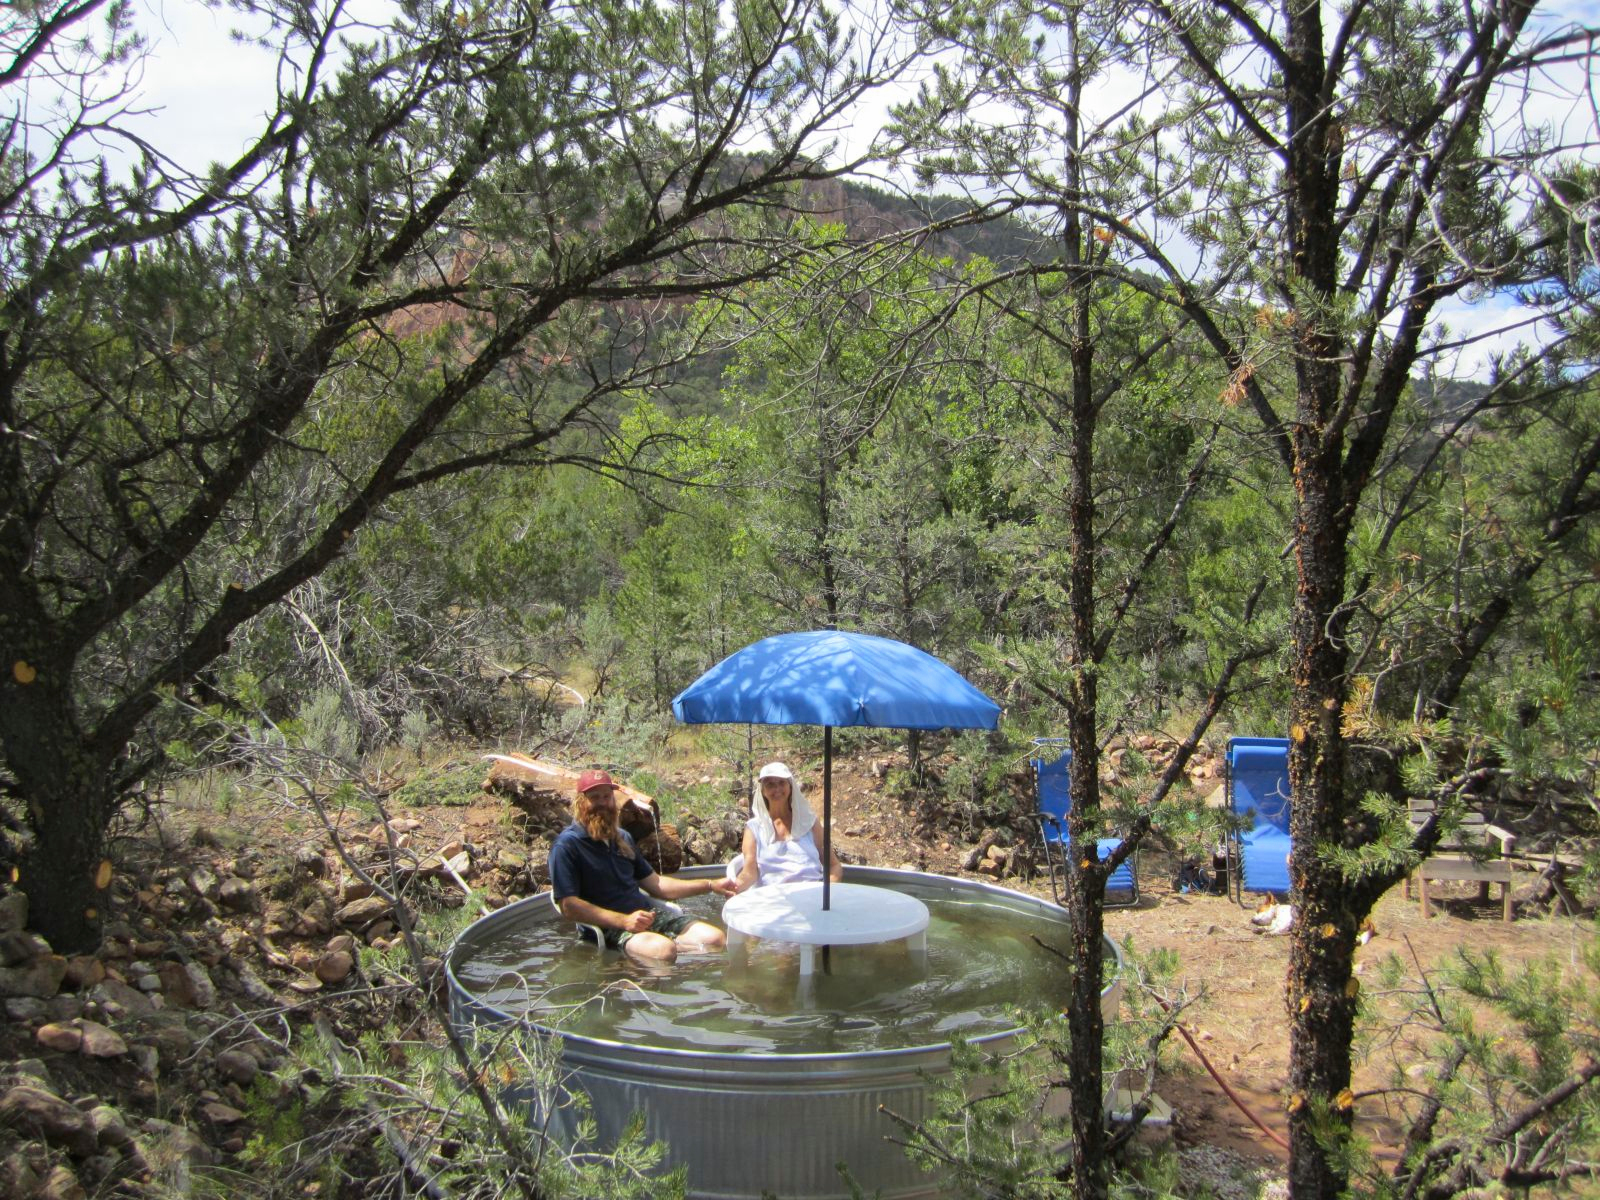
x,y
785,860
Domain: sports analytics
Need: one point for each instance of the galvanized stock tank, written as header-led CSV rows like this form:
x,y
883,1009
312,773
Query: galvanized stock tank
x,y
744,1123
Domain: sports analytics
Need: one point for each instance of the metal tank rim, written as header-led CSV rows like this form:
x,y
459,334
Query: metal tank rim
x,y
573,1044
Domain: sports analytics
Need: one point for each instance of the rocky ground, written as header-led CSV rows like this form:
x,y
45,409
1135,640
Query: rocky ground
x,y
163,1059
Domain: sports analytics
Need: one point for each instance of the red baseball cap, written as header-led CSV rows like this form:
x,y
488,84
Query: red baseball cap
x,y
594,779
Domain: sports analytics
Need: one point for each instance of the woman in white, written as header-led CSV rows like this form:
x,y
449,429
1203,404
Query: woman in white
x,y
783,838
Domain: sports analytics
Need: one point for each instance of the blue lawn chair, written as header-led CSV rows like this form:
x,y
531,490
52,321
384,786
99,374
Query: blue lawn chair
x,y
1054,792
1258,791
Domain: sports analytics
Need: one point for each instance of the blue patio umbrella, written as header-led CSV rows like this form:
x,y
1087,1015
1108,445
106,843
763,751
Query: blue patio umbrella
x,y
830,678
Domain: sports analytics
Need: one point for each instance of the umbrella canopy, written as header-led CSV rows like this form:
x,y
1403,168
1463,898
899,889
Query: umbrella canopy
x,y
830,678
835,679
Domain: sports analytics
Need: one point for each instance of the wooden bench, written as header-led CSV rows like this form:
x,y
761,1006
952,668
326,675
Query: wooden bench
x,y
1450,860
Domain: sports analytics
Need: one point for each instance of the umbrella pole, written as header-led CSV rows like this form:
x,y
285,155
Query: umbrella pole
x,y
827,813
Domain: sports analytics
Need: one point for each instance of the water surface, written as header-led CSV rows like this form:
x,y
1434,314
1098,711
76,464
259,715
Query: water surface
x,y
982,963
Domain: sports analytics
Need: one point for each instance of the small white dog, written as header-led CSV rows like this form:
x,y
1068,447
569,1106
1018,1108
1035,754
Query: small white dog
x,y
1273,918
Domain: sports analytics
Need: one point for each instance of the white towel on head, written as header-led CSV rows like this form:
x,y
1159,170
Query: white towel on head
x,y
801,817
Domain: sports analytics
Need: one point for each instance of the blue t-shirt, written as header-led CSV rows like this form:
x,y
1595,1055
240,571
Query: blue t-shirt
x,y
594,871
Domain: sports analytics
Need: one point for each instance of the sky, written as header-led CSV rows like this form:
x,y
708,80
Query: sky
x,y
208,93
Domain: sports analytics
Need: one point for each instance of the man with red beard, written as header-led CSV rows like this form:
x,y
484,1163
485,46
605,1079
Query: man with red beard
x,y
598,877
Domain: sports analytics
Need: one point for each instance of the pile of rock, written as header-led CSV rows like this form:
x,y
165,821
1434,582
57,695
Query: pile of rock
x,y
993,857
712,839
57,1145
140,1005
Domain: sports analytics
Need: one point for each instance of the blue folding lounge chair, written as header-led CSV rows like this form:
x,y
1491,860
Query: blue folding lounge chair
x,y
1258,791
1054,792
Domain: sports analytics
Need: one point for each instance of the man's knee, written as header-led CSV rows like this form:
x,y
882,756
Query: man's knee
x,y
701,936
651,946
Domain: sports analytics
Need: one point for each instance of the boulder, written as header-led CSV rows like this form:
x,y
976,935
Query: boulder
x,y
37,1111
100,1042
83,971
237,894
359,914
110,1129
61,1184
20,946
42,977
62,1036
116,998
510,861
662,849
310,862
216,1113
238,1067
25,1009
13,912
335,966
204,881
720,836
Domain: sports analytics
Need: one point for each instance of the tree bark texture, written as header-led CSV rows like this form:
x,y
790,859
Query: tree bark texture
x,y
1320,1000
66,780
1085,876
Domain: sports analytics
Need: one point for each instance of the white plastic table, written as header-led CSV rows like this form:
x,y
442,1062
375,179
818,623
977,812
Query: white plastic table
x,y
858,915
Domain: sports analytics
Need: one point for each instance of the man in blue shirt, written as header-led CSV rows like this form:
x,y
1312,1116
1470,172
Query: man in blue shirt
x,y
598,877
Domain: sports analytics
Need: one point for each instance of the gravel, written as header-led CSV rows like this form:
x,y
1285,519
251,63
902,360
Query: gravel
x,y
1229,1176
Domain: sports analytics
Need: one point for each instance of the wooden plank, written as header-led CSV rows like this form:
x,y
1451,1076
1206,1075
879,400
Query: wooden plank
x,y
1496,870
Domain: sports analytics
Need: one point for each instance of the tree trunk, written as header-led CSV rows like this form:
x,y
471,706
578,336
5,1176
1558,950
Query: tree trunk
x,y
1320,1001
60,873
1086,1027
1085,877
69,804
